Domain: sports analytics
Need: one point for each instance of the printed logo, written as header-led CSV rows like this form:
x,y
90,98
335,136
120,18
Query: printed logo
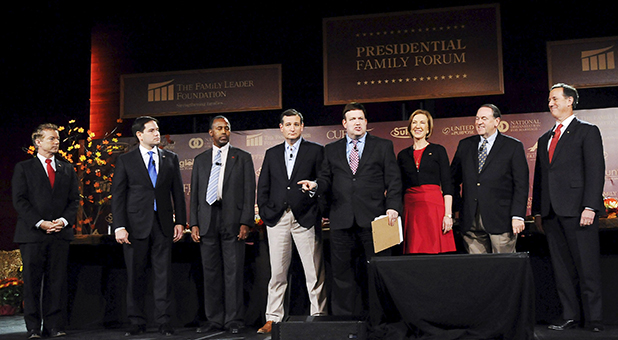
x,y
598,60
159,92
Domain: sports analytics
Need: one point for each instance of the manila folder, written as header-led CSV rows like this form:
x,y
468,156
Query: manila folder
x,y
384,235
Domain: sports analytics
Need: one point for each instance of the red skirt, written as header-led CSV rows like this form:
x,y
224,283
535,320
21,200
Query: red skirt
x,y
423,212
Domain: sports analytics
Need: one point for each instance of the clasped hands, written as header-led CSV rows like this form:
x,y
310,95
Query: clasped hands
x,y
51,227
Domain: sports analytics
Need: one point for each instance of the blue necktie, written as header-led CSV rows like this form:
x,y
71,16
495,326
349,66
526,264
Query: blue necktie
x,y
213,181
152,171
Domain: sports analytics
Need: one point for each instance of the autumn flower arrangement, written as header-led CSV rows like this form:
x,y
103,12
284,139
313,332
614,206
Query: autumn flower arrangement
x,y
611,206
11,292
92,159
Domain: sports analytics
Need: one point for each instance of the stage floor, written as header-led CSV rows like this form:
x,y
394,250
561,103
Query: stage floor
x,y
12,328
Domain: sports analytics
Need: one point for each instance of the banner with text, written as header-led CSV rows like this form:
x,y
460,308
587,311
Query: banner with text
x,y
527,127
451,52
583,63
201,91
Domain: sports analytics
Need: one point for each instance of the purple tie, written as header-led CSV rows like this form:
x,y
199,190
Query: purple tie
x,y
354,157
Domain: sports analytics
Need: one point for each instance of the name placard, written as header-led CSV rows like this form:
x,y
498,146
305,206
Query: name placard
x,y
583,63
201,91
451,52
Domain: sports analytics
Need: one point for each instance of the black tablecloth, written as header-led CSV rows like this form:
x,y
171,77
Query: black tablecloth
x,y
489,296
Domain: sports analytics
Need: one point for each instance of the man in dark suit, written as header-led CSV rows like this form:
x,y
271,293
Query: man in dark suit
x,y
569,176
493,171
291,215
46,197
361,173
222,211
149,213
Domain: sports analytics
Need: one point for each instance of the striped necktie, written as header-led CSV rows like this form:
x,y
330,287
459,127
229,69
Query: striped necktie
x,y
482,154
354,159
213,181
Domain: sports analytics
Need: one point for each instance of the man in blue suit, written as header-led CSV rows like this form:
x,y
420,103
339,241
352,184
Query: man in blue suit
x,y
149,211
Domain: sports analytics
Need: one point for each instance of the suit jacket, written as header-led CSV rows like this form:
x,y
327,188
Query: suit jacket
x,y
575,178
363,196
500,191
275,192
35,200
238,197
133,194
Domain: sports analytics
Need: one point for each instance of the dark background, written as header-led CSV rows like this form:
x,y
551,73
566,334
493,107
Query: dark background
x,y
45,60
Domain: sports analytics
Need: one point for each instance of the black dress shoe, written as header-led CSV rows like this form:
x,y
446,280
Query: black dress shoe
x,y
563,325
56,333
595,327
166,329
208,328
33,334
136,330
235,328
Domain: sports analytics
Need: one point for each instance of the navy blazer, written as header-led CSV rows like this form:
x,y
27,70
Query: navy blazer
x,y
35,200
575,178
275,192
360,198
133,194
500,191
238,198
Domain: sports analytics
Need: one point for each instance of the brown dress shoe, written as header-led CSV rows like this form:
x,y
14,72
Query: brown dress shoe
x,y
267,328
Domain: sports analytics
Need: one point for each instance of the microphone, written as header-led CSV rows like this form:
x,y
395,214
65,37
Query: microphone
x,y
482,148
217,163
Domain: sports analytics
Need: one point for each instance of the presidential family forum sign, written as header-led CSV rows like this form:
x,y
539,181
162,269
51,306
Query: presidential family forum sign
x,y
439,53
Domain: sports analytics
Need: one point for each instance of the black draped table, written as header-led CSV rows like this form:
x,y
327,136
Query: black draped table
x,y
488,296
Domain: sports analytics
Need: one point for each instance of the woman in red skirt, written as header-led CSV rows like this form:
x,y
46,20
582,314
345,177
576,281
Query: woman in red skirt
x,y
428,196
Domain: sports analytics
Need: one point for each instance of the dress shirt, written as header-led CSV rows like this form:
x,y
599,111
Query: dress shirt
x,y
53,164
490,142
224,151
565,124
155,156
360,145
290,155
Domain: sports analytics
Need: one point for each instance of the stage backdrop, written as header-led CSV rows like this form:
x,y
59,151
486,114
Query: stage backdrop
x,y
447,131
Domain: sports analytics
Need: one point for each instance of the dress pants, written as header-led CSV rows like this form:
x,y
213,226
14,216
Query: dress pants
x,y
351,250
45,265
308,242
223,259
478,241
136,255
575,255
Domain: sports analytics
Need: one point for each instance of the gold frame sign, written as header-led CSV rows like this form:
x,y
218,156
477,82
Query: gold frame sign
x,y
441,53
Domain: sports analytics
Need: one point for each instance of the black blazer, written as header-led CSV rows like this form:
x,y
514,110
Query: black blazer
x,y
501,189
362,197
275,192
35,200
237,204
434,168
133,194
575,178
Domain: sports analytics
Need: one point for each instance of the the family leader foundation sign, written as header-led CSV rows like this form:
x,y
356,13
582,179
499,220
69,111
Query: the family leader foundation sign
x,y
201,91
449,52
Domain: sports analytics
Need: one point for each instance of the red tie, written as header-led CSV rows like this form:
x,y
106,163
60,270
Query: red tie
x,y
554,141
50,172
